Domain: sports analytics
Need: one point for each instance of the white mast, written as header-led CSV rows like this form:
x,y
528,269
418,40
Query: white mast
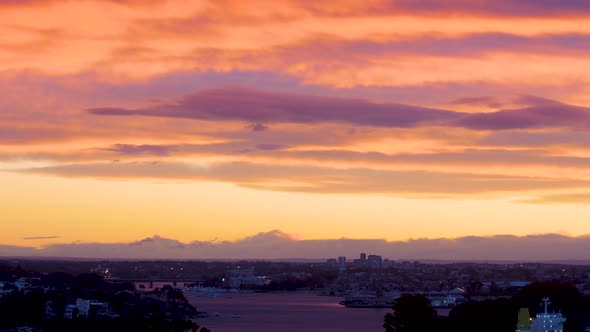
x,y
546,301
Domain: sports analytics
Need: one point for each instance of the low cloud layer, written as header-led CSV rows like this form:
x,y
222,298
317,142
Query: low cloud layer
x,y
279,245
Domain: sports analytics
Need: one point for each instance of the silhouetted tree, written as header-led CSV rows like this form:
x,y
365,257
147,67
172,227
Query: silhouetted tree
x,y
88,281
58,280
487,316
412,313
564,297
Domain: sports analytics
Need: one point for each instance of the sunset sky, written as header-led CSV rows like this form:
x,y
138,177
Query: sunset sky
x,y
218,120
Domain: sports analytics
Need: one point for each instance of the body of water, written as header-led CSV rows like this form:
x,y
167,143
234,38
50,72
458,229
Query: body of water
x,y
229,312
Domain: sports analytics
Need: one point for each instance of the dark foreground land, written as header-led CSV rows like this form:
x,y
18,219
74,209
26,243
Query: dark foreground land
x,y
413,313
116,296
57,301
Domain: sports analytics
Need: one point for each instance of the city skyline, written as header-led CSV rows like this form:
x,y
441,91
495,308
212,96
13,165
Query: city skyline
x,y
212,121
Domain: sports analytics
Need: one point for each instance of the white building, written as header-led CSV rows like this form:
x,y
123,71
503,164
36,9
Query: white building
x,y
86,306
244,277
83,307
70,311
21,284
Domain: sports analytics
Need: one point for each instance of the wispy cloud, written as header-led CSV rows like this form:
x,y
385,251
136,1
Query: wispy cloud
x,y
315,179
40,237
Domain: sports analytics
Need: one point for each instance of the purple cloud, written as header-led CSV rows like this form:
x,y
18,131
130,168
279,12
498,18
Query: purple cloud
x,y
46,126
144,149
257,127
487,101
481,7
257,106
540,113
270,146
320,50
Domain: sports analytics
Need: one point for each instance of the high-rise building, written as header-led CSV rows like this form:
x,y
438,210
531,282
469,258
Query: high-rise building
x,y
387,263
375,261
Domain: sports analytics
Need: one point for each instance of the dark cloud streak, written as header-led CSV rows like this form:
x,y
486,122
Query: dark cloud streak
x,y
40,237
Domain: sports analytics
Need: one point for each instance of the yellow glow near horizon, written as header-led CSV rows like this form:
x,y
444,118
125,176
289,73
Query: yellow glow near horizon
x,y
90,210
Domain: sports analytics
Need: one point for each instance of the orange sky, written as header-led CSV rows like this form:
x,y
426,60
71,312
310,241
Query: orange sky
x,y
202,120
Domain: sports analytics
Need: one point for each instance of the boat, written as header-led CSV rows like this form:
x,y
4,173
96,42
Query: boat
x,y
543,322
438,302
367,304
368,301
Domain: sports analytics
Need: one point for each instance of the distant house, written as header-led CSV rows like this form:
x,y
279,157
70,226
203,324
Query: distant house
x,y
50,312
25,329
83,307
518,284
71,311
21,284
457,291
2,290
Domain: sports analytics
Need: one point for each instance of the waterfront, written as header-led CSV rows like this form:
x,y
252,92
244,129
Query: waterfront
x,y
284,312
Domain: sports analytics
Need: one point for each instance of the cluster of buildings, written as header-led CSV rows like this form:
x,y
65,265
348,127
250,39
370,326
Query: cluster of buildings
x,y
81,308
339,262
86,308
478,281
364,261
237,278
20,284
